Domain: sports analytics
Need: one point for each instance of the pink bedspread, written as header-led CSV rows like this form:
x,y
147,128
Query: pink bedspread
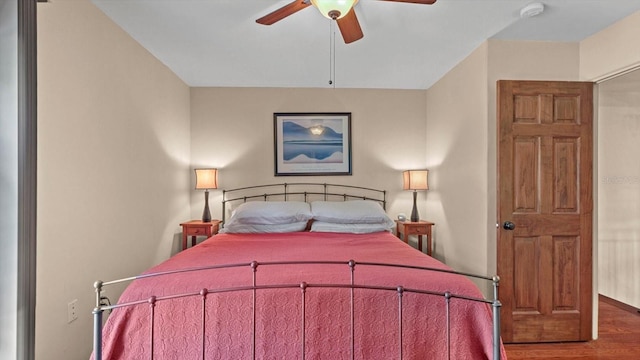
x,y
228,330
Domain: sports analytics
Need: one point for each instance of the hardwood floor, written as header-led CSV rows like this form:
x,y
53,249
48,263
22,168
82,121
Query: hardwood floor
x,y
618,338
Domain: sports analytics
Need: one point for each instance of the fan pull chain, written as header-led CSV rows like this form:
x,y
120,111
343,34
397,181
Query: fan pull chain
x,y
334,58
332,54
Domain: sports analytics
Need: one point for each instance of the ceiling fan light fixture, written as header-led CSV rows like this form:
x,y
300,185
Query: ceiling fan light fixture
x,y
334,9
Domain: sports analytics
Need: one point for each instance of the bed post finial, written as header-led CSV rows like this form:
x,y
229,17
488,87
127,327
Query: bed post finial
x,y
98,286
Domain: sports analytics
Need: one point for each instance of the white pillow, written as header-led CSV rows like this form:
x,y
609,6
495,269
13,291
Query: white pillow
x,y
321,226
269,228
270,213
350,212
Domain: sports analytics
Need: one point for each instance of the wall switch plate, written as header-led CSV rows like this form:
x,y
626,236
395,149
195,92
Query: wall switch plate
x,y
72,311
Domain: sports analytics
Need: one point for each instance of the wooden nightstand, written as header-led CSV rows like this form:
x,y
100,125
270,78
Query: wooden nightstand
x,y
195,228
420,228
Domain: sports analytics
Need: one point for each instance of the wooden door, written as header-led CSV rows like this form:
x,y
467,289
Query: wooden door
x,y
545,161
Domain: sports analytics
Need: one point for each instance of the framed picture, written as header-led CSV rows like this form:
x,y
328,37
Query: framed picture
x,y
312,143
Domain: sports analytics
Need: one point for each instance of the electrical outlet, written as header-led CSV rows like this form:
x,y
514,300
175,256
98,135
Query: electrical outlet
x,y
72,311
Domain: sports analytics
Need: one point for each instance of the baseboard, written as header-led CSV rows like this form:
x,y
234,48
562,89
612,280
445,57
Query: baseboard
x,y
619,304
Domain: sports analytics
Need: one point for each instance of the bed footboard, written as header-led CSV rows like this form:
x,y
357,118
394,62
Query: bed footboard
x,y
253,289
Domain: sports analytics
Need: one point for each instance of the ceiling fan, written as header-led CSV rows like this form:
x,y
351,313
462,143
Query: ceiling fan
x,y
340,10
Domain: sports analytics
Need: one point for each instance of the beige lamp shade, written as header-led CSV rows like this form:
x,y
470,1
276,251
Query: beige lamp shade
x,y
415,180
206,179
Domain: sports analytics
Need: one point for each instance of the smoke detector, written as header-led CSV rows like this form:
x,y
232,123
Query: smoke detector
x,y
531,10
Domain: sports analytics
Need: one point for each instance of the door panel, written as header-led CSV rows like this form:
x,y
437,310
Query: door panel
x,y
565,262
545,187
566,152
526,271
526,153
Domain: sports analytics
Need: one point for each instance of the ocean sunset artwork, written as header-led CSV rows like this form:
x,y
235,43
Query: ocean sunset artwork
x,y
312,141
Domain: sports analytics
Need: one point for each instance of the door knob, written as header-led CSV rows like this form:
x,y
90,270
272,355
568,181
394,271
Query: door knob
x,y
508,225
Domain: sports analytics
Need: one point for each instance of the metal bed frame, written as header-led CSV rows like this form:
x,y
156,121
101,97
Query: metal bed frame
x,y
292,191
289,192
253,266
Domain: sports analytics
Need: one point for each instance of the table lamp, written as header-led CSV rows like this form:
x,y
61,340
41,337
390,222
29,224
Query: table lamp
x,y
206,179
415,180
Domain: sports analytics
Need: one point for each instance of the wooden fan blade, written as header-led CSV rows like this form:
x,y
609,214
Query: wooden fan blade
x,y
283,12
350,27
423,2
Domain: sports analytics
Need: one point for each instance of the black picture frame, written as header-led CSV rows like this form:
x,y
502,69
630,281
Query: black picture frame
x,y
312,144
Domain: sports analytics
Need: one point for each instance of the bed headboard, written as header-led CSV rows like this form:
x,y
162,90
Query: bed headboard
x,y
306,192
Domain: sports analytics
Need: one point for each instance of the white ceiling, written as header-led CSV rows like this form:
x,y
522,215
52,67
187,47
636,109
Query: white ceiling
x,y
405,46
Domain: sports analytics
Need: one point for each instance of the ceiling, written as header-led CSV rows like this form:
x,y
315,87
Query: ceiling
x,y
217,43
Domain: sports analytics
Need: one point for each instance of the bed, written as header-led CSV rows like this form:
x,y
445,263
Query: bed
x,y
312,278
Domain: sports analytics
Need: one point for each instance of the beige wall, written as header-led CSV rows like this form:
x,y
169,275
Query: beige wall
x,y
232,129
113,166
457,160
602,56
619,188
612,50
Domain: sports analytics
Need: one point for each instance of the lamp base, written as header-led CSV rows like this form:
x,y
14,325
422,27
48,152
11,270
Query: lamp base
x,y
414,213
206,214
